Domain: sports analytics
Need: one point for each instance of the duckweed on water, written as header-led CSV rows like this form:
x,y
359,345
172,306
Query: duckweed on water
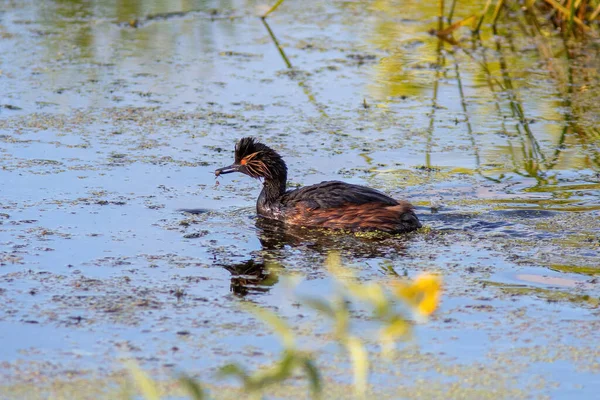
x,y
422,296
584,270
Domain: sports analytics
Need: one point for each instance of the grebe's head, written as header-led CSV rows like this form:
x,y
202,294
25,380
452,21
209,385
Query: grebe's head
x,y
257,161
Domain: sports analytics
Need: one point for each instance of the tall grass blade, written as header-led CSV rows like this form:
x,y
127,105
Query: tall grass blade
x,y
447,31
320,305
391,333
360,364
485,10
499,5
451,13
595,13
314,377
441,16
144,384
234,370
192,387
571,16
275,6
566,12
281,328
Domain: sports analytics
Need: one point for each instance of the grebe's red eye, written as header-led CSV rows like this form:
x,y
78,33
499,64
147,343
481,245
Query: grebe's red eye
x,y
244,161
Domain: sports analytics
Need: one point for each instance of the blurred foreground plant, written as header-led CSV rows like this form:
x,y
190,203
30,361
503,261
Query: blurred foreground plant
x,y
389,308
422,297
290,361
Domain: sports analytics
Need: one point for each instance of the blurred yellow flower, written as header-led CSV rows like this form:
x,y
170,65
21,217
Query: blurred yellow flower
x,y
423,293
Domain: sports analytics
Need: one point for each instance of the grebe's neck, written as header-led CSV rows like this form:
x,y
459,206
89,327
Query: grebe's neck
x,y
273,188
268,204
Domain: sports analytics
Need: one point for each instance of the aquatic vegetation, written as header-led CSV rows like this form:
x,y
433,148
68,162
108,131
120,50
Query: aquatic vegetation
x,y
565,15
273,8
147,388
420,297
550,295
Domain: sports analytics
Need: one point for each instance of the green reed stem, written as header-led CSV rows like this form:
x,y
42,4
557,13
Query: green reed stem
x,y
451,14
305,88
276,42
275,6
441,16
530,147
485,10
571,16
434,105
499,5
595,13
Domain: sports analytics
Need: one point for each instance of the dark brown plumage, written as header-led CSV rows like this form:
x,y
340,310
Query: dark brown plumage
x,y
331,204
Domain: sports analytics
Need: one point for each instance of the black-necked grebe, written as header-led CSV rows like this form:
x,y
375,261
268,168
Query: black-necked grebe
x,y
331,204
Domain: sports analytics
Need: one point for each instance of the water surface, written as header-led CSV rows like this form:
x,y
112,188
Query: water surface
x,y
114,116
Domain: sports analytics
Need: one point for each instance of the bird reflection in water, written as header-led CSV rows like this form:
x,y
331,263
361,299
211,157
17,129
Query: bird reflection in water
x,y
251,276
259,274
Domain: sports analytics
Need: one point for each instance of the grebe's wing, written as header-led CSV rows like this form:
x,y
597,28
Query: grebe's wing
x,y
332,194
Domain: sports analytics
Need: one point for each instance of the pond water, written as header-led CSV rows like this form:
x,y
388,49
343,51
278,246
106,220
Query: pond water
x,y
115,114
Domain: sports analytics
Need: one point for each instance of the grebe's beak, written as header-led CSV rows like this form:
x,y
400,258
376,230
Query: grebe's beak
x,y
227,170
